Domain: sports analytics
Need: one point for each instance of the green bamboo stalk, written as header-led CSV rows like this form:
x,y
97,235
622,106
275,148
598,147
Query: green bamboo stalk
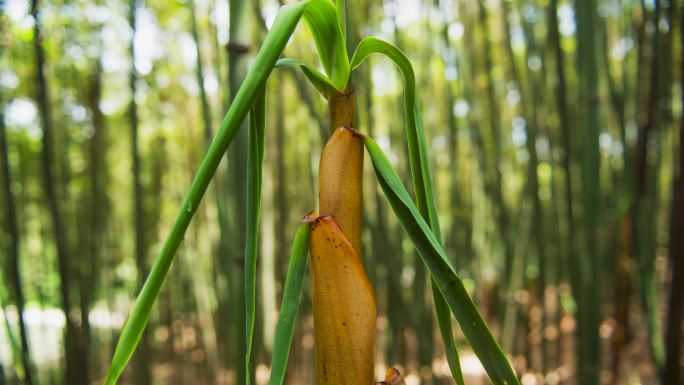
x,y
565,124
14,251
532,128
205,109
98,211
490,145
14,263
624,234
517,280
455,199
73,373
589,286
223,246
201,298
646,188
672,371
143,373
468,67
527,84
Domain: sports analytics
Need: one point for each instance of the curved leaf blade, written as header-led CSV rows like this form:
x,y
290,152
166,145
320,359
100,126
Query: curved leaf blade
x,y
321,18
420,174
273,45
320,81
431,252
420,171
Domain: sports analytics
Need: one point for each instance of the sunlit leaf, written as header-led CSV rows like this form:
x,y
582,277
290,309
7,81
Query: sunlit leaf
x,y
320,81
273,45
321,18
420,170
341,7
420,173
450,285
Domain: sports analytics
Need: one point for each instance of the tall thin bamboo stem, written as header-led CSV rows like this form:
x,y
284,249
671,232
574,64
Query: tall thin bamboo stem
x,y
672,372
97,207
490,146
645,190
205,110
533,123
14,262
142,368
206,114
565,124
454,193
74,373
589,282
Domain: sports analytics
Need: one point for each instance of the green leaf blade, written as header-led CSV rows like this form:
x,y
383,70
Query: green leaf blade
x,y
372,45
274,43
444,323
255,161
420,173
431,252
317,79
321,18
290,304
341,8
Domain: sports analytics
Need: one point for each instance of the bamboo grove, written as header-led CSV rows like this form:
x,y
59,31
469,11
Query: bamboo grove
x,y
496,192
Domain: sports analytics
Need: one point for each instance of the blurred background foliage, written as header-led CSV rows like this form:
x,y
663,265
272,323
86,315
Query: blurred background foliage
x,y
555,134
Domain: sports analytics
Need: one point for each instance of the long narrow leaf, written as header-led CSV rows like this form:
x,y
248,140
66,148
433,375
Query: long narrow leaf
x,y
469,318
441,307
414,130
342,16
273,45
447,334
322,83
420,173
424,168
255,161
289,306
321,18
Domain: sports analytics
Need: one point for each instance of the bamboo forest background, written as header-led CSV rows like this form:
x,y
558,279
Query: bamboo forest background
x,y
555,135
